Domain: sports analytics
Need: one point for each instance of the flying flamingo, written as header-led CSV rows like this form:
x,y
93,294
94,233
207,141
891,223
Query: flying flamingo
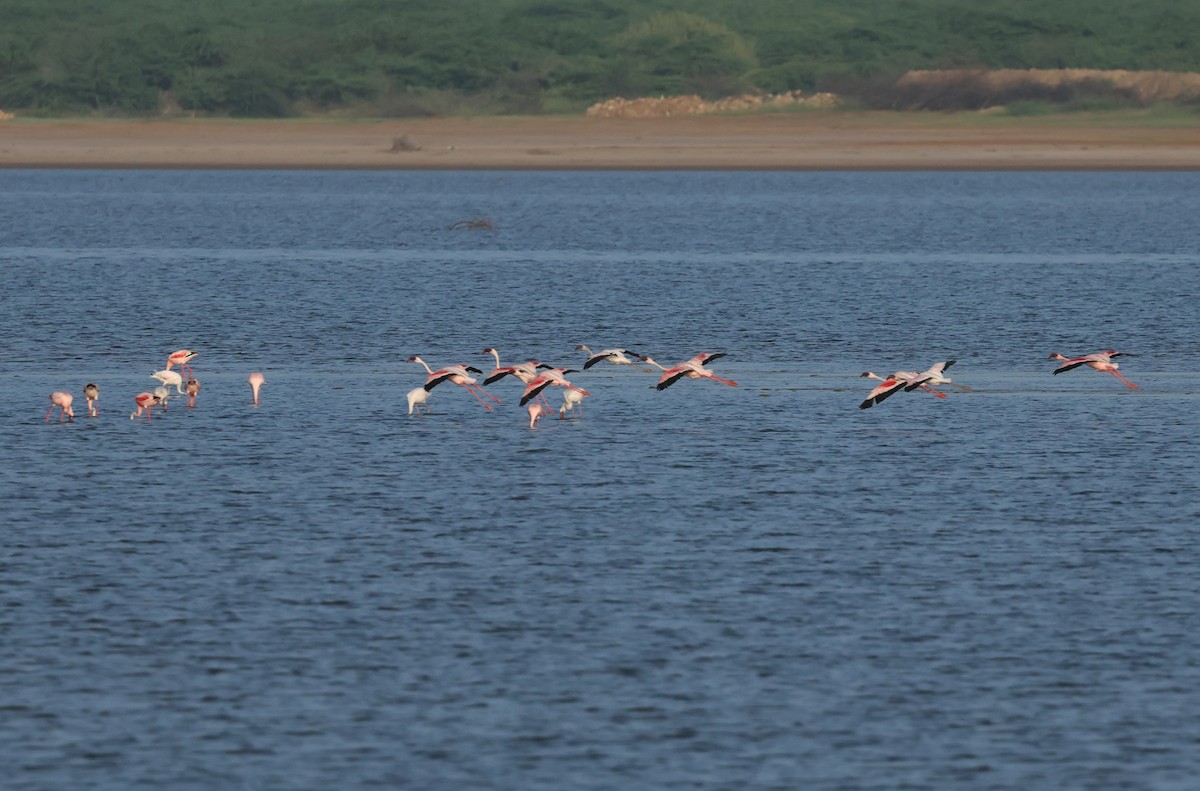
x,y
193,389
92,394
1100,361
536,411
614,356
168,377
572,401
555,377
933,376
526,372
455,374
181,358
690,369
144,401
61,400
417,397
892,385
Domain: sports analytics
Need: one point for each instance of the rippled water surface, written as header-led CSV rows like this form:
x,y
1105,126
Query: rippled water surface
x,y
704,587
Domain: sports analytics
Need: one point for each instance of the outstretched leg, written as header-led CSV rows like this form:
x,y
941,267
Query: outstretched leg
x,y
933,392
471,390
1128,383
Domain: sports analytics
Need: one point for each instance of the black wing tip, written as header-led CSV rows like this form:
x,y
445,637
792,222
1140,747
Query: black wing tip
x,y
591,362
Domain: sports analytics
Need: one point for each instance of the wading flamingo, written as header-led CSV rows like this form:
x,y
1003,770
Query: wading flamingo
x,y
689,369
572,401
162,393
182,358
1100,361
256,380
536,412
61,400
144,401
193,389
168,377
455,374
92,394
417,398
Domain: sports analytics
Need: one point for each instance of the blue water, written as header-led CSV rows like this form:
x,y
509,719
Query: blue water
x,y
706,587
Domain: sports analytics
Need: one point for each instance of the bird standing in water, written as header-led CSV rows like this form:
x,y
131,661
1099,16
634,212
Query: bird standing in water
x,y
60,399
256,380
193,389
92,393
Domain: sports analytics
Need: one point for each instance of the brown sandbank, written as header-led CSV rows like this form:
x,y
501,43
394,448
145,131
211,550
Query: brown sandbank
x,y
783,141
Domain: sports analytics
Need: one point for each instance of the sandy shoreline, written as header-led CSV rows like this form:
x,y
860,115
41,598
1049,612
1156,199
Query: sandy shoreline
x,y
800,141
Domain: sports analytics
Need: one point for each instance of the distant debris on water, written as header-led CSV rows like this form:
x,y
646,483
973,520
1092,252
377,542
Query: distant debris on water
x,y
478,224
402,143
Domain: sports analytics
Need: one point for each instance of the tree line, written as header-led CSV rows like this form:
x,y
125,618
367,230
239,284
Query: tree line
x,y
393,58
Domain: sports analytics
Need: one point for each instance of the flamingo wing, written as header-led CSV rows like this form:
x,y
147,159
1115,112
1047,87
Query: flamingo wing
x,y
596,358
535,387
670,377
1071,365
436,378
497,375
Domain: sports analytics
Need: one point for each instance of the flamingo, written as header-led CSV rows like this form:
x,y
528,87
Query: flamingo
x,y
92,394
144,401
690,369
455,374
526,372
417,397
572,400
181,358
1100,361
892,385
536,411
61,400
193,389
933,376
555,377
256,380
614,356
168,377
162,394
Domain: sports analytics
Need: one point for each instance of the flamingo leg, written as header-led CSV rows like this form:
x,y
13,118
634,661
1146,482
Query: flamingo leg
x,y
48,411
485,392
470,390
933,392
729,382
1128,383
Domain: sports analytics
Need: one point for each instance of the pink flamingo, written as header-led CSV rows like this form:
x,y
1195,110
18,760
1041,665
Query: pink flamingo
x,y
182,358
61,400
690,369
892,385
555,377
455,374
144,401
193,389
526,372
536,412
1100,361
256,380
92,393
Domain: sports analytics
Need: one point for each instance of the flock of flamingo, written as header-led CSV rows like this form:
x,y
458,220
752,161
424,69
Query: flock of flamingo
x,y
145,402
538,377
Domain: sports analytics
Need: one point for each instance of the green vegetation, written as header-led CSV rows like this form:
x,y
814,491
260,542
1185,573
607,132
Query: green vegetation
x,y
267,58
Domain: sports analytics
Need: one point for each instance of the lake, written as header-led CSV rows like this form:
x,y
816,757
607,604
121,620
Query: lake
x,y
760,587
